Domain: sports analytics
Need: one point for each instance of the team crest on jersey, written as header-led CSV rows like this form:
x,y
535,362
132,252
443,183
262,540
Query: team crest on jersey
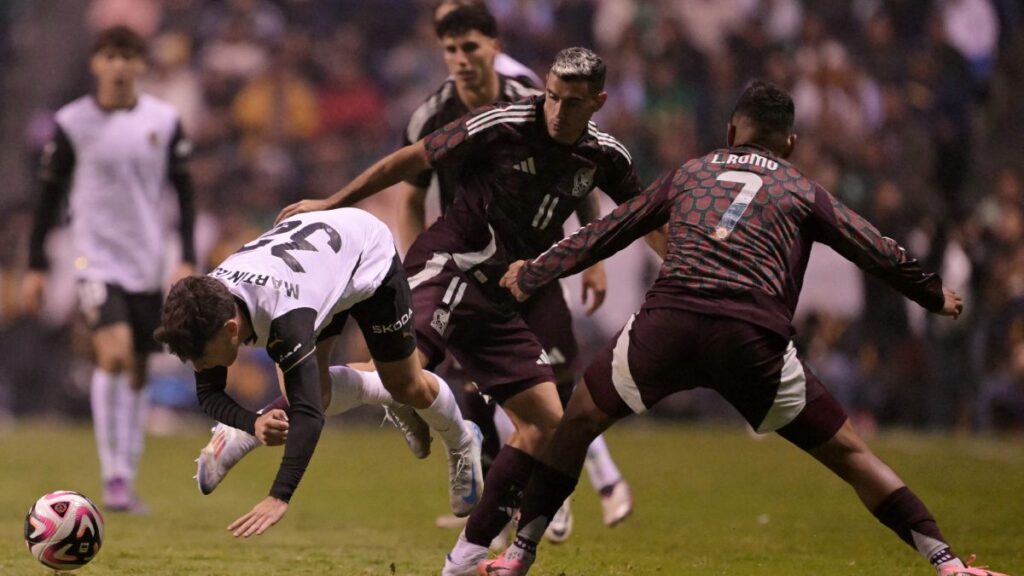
x,y
440,320
583,182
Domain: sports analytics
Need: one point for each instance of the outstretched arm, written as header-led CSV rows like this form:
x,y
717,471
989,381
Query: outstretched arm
x,y
857,240
404,164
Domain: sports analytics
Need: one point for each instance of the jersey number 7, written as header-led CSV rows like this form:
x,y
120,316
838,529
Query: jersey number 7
x,y
751,185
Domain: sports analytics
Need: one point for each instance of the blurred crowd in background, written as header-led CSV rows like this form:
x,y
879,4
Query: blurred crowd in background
x,y
905,110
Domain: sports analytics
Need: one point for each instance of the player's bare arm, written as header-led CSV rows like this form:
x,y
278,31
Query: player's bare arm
x,y
594,279
412,214
401,165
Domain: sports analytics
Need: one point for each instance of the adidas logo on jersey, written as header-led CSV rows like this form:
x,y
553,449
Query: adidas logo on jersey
x,y
526,166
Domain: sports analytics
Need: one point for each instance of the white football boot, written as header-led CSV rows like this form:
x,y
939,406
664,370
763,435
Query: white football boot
x,y
560,527
464,557
465,476
412,427
227,446
617,505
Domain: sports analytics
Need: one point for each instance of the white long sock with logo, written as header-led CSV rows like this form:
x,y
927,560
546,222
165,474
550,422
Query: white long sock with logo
x,y
601,469
444,416
351,388
102,399
130,408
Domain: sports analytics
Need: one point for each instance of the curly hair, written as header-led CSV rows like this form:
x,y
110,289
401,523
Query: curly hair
x,y
194,311
771,110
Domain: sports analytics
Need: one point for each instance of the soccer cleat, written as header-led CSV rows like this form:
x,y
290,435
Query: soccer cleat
x,y
968,570
227,446
514,561
409,423
118,496
617,505
465,477
464,558
560,527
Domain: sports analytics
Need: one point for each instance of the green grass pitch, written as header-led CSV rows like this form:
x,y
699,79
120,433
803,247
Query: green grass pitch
x,y
708,501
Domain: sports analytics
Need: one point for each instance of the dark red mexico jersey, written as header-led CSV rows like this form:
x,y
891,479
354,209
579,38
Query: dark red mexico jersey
x,y
741,226
516,186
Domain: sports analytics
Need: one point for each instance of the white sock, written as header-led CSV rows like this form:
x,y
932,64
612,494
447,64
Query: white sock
x,y
102,399
465,552
503,424
601,469
444,417
130,411
351,388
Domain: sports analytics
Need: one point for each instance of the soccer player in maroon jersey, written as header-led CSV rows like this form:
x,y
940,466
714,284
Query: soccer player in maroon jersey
x,y
741,224
468,36
524,168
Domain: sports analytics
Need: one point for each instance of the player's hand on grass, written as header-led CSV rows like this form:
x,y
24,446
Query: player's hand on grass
x,y
268,512
301,207
954,304
511,280
32,288
595,284
272,427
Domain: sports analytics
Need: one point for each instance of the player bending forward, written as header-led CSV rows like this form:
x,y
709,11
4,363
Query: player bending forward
x,y
291,291
741,224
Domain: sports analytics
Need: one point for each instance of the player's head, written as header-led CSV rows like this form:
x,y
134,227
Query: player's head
x,y
469,36
574,92
200,323
118,58
764,116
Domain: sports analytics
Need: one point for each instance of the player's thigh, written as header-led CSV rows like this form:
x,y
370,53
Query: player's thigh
x,y
144,317
484,333
759,373
548,316
387,319
106,312
657,353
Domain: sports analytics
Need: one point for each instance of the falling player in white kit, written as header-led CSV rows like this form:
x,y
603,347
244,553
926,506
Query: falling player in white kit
x,y
291,291
111,157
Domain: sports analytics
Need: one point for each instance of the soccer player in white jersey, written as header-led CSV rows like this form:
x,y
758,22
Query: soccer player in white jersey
x,y
291,291
112,155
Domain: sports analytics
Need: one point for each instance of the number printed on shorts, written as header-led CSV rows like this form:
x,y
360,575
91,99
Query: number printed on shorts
x,y
297,241
752,183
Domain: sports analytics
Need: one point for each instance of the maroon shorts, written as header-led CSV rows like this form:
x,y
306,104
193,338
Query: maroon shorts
x,y
663,350
479,324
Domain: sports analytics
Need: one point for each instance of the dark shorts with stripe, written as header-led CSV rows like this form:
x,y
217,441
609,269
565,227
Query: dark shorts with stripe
x,y
386,318
103,304
664,350
483,328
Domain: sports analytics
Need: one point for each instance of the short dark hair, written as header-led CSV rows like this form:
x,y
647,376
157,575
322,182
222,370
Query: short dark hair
x,y
576,64
465,19
195,309
770,109
122,39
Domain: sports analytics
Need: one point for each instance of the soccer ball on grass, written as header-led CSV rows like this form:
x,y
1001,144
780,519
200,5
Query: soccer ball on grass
x,y
64,530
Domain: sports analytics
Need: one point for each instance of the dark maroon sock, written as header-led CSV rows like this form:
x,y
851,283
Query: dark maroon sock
x,y
544,494
503,489
904,513
280,403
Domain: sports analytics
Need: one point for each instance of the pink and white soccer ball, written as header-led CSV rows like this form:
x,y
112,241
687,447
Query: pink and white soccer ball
x,y
64,530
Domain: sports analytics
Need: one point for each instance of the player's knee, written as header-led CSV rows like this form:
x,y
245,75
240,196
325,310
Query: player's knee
x,y
113,362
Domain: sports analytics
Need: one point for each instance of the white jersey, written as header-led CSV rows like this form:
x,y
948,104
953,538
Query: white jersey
x,y
320,262
120,169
